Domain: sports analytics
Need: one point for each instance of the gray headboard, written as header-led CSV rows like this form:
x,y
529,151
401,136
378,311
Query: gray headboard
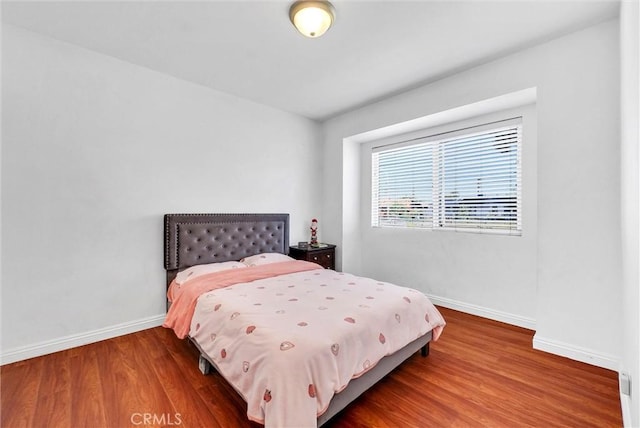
x,y
194,239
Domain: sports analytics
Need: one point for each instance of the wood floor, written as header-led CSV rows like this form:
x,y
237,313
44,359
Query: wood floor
x,y
480,374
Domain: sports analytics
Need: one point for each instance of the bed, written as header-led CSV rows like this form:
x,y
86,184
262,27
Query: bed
x,y
260,242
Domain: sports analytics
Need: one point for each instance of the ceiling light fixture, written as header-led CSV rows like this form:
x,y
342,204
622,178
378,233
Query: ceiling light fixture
x,y
312,18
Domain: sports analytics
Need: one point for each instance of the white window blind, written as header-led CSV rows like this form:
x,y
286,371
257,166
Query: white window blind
x,y
461,181
403,189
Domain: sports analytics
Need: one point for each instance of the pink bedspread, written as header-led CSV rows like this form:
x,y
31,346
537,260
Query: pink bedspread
x,y
289,342
183,298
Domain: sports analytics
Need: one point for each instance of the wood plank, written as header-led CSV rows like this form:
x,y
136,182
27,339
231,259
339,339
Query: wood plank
x,y
88,405
186,401
54,395
19,384
130,386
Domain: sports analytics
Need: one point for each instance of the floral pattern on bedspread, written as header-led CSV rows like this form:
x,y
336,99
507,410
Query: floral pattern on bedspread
x,y
290,342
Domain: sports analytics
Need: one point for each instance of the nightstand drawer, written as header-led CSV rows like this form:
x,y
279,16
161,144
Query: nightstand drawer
x,y
325,256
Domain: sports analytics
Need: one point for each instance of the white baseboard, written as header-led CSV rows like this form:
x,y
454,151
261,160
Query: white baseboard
x,y
625,403
481,311
548,345
71,341
576,353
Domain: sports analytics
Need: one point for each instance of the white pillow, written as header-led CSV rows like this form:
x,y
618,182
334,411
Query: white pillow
x,y
265,259
199,270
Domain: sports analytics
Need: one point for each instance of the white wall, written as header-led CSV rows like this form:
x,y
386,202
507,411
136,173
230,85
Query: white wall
x,y
577,304
94,152
630,194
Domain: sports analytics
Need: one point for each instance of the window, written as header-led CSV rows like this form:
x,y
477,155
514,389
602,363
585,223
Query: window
x,y
466,180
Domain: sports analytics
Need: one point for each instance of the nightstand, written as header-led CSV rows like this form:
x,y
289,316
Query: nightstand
x,y
325,256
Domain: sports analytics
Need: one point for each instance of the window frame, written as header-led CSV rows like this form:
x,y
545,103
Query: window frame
x,y
437,140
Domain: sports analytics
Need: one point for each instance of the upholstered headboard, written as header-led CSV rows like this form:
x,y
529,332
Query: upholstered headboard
x,y
194,239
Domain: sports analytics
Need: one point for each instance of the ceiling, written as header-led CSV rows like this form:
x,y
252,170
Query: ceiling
x,y
249,48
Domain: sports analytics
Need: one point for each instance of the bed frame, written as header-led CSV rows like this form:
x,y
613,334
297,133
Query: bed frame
x,y
193,239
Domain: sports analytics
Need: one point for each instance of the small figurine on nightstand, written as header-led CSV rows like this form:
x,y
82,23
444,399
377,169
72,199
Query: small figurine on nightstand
x,y
314,233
